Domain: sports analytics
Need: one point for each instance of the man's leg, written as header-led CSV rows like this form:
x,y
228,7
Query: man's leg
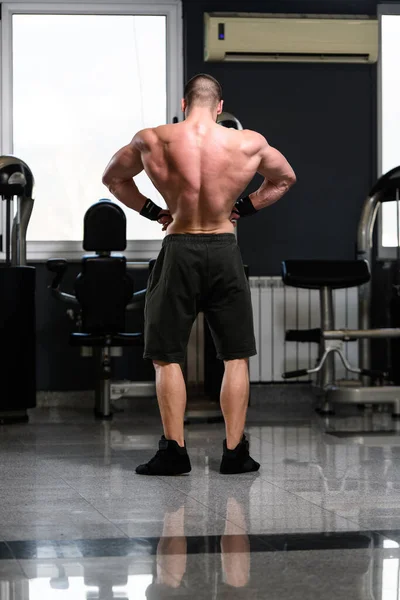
x,y
235,399
235,546
171,395
172,457
234,402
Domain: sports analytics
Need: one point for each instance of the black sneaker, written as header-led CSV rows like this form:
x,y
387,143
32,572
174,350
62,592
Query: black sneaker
x,y
238,460
170,459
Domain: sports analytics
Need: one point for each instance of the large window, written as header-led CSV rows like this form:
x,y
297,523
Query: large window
x,y
389,142
77,85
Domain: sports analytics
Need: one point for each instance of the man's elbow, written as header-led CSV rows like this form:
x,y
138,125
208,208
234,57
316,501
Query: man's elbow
x,y
110,181
106,179
287,182
291,180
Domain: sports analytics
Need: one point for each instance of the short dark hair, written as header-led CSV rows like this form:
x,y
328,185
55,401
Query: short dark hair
x,y
203,90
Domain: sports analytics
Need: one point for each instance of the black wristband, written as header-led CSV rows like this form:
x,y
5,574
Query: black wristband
x,y
151,211
244,207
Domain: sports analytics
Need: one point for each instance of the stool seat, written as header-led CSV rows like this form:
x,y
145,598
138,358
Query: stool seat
x,y
316,274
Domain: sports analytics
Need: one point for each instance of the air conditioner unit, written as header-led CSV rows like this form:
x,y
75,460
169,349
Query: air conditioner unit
x,y
287,38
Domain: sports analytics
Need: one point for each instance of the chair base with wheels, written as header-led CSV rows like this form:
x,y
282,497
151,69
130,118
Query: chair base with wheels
x,y
102,347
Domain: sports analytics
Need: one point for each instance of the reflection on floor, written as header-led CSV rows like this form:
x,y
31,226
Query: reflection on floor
x,y
320,520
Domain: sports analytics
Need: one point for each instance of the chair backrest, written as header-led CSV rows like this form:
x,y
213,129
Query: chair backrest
x,y
103,287
104,228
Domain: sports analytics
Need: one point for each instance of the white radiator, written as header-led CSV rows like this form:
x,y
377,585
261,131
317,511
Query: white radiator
x,y
277,308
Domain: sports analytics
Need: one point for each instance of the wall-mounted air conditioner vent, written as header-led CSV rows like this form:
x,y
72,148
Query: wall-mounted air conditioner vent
x,y
284,38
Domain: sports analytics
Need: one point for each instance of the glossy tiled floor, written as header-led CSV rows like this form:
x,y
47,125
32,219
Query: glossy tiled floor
x,y
320,520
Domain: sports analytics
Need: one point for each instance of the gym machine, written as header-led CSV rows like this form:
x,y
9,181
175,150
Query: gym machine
x,y
103,294
329,275
17,294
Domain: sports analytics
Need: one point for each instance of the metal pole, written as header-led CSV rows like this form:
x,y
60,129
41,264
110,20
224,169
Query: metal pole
x,y
8,231
361,334
19,230
327,377
103,383
364,251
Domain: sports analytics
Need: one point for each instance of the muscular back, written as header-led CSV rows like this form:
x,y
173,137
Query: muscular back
x,y
200,170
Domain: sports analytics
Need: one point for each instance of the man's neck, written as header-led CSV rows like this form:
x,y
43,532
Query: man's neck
x,y
201,115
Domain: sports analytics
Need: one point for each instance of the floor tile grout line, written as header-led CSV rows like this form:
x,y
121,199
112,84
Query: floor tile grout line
x,y
15,558
21,568
316,505
349,520
274,485
97,510
382,533
214,511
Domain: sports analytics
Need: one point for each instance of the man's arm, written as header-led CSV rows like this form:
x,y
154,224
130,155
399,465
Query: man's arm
x,y
119,174
279,177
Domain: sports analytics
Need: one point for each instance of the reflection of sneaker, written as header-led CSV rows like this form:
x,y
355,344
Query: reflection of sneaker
x,y
238,460
170,459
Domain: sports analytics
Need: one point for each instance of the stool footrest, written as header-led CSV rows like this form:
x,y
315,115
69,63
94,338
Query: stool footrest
x,y
292,374
304,335
375,374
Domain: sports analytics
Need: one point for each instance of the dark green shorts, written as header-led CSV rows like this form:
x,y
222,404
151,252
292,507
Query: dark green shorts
x,y
198,273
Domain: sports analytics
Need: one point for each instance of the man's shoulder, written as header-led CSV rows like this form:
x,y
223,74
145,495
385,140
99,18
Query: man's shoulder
x,y
162,133
252,141
146,134
164,130
253,136
247,136
146,138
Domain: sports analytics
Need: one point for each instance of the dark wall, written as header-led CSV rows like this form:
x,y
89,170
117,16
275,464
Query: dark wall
x,y
321,117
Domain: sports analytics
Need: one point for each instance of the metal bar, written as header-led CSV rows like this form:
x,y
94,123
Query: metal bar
x,y
137,266
346,363
327,375
103,387
8,232
132,389
360,334
64,297
364,251
327,355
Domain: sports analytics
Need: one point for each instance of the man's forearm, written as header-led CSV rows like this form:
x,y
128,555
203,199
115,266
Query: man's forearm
x,y
268,194
128,193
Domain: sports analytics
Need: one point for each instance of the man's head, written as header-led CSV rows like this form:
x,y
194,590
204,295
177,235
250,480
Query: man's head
x,y
203,91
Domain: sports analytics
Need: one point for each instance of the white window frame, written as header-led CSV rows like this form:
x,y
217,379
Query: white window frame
x,y
172,10
384,252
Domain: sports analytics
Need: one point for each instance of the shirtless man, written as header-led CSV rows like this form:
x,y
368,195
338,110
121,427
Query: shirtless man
x,y
200,169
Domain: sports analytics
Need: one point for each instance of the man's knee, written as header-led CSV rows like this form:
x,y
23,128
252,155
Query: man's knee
x,y
236,361
159,363
162,363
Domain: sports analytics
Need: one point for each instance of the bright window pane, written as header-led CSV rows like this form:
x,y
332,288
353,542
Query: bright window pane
x,y
83,85
390,60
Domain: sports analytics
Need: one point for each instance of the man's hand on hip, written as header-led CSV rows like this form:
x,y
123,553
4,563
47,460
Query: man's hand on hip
x,y
165,219
234,217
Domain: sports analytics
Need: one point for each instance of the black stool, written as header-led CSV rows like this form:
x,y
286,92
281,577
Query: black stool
x,y
325,276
